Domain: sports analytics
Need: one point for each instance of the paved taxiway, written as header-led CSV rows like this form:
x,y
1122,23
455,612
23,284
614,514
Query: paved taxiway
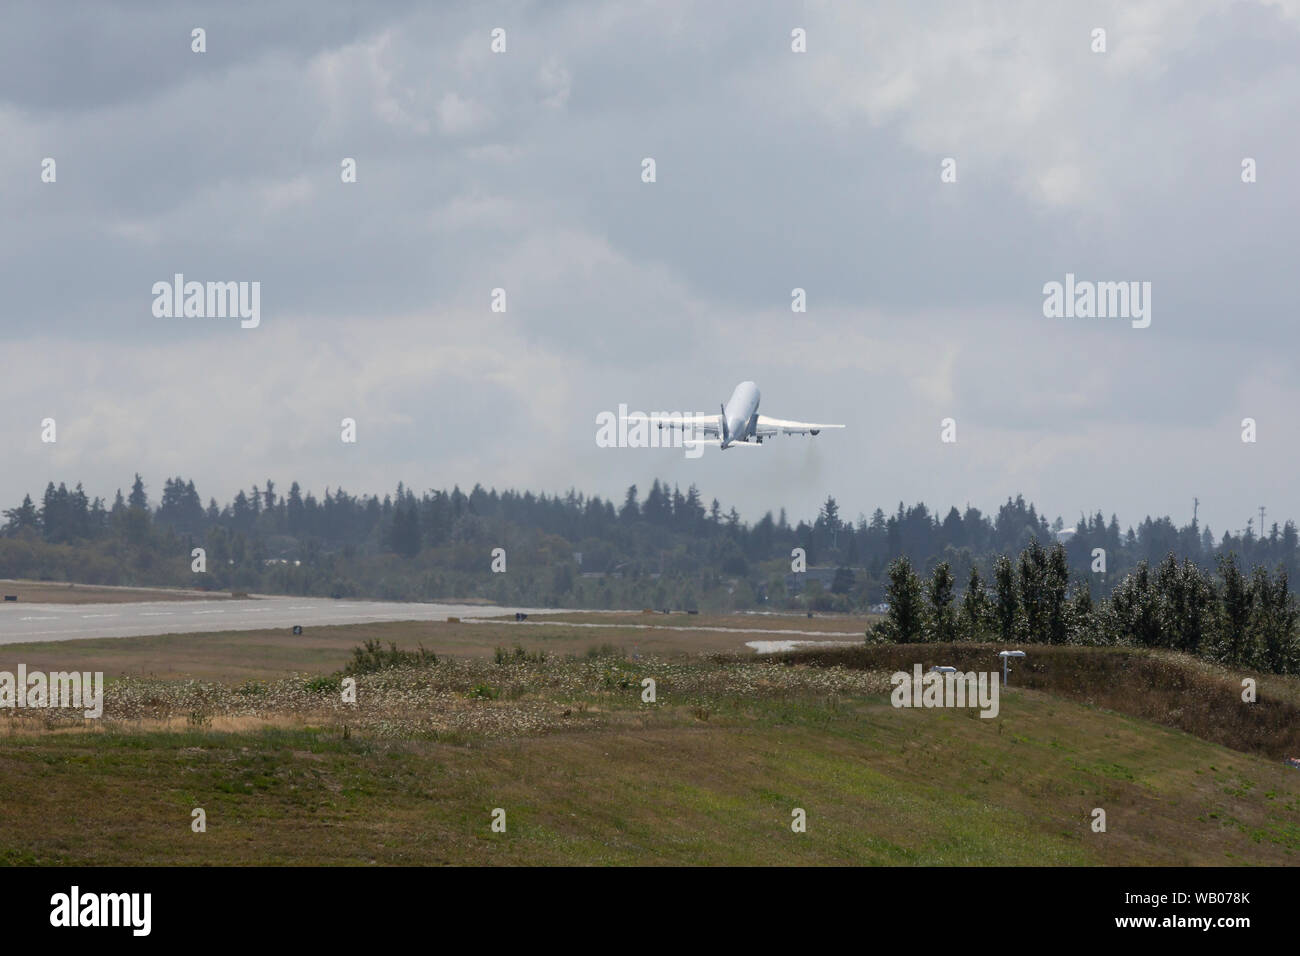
x,y
21,623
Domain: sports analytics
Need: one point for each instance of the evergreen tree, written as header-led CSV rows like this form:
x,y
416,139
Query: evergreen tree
x,y
138,499
1083,624
1236,604
406,530
1273,624
943,619
22,518
904,624
1185,605
1056,585
1007,608
976,612
630,511
843,581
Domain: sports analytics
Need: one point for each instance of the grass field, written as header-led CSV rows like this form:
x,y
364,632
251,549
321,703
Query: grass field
x,y
58,592
588,773
879,786
239,655
833,624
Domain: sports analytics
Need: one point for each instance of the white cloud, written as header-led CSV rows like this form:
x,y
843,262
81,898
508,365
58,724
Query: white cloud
x,y
555,84
458,115
820,169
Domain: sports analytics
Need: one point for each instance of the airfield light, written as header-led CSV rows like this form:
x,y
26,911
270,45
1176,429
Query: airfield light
x,y
1007,655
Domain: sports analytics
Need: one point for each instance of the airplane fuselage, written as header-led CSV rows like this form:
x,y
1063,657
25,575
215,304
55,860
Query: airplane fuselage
x,y
736,423
740,414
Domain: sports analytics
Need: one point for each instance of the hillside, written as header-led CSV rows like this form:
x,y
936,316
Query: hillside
x,y
587,773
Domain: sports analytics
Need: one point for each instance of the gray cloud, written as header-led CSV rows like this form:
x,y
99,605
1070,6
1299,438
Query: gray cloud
x,y
775,170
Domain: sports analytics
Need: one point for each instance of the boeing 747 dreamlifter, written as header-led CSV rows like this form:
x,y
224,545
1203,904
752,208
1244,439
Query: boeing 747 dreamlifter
x,y
738,425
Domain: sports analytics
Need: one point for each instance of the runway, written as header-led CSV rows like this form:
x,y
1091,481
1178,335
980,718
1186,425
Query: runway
x,y
21,623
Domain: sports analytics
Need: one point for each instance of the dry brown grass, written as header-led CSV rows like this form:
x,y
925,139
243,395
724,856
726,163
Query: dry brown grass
x,y
514,697
849,624
241,655
58,592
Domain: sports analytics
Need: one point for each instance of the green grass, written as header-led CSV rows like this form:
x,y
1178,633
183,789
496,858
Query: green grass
x,y
1174,689
661,786
588,774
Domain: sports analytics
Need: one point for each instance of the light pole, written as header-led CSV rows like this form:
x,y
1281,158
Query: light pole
x,y
1007,655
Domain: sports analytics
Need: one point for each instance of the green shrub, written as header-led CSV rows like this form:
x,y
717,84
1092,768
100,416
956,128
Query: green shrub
x,y
372,656
518,655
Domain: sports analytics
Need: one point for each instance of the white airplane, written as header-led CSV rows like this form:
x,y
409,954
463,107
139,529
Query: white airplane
x,y
738,426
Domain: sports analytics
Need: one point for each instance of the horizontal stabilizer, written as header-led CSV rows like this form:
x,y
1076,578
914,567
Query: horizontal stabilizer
x,y
717,443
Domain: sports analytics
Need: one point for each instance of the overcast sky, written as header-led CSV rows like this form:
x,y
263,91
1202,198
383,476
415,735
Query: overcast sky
x,y
775,170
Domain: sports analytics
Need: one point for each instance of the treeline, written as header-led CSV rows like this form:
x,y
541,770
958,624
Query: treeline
x,y
664,548
1227,616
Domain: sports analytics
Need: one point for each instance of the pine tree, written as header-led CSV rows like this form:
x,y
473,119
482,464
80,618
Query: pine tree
x,y
975,609
1274,624
1007,608
630,510
1056,585
1083,628
1236,603
905,621
22,518
943,620
138,499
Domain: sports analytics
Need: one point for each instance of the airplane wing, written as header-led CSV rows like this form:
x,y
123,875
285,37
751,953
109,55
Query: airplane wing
x,y
780,426
701,423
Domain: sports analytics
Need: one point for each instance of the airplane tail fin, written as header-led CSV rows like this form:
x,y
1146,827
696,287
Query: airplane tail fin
x,y
726,436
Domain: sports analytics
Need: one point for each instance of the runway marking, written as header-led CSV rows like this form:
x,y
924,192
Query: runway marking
x,y
207,612
155,613
54,617
87,616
